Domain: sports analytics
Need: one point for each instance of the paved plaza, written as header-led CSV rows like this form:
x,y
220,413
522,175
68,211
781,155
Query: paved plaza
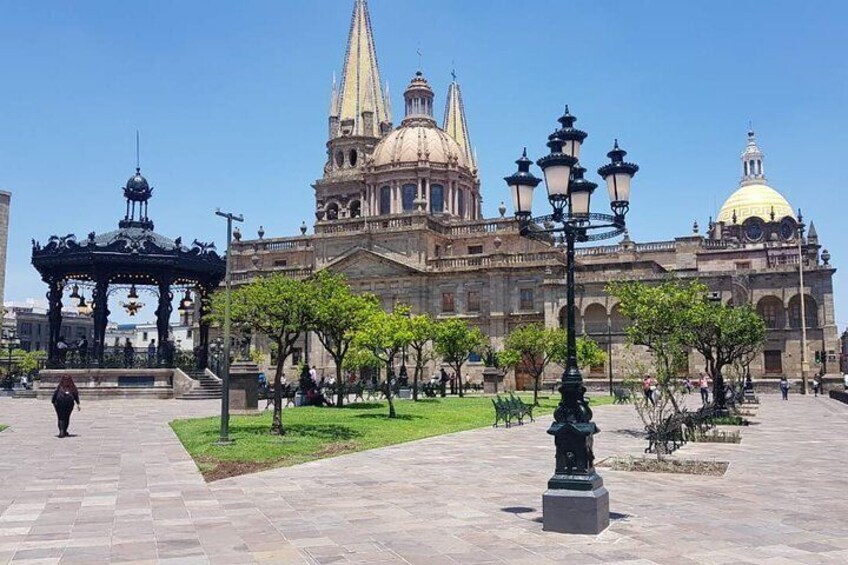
x,y
124,490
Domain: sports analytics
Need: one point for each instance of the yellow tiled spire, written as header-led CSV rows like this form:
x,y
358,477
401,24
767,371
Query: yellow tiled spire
x,y
361,90
455,124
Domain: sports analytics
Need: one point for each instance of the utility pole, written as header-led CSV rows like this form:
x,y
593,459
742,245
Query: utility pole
x,y
225,397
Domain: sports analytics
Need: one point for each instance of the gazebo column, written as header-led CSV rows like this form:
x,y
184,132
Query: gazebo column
x,y
163,320
101,316
202,349
54,318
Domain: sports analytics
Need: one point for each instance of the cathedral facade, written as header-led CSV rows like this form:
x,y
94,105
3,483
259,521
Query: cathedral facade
x,y
398,212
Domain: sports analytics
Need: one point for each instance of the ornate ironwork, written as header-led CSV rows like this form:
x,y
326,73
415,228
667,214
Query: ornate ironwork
x,y
133,254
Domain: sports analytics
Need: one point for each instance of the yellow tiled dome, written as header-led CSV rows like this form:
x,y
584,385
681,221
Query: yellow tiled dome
x,y
755,200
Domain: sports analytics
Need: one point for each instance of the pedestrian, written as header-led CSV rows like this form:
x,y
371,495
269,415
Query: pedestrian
x,y
62,348
151,353
704,385
82,349
784,387
817,385
64,397
24,382
129,354
648,388
443,382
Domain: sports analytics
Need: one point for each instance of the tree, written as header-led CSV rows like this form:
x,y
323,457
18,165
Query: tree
x,y
277,307
385,334
533,347
29,361
422,329
337,314
658,321
455,341
725,335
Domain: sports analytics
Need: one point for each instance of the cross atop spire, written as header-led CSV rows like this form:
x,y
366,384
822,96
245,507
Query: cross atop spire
x,y
361,89
454,121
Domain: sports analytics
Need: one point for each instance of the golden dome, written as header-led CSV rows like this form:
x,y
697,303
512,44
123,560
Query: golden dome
x,y
754,200
420,142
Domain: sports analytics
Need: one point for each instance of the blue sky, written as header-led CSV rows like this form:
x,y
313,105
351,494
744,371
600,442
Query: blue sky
x,y
231,99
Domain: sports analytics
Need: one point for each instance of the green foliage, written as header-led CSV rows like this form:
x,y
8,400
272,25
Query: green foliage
x,y
534,346
455,341
277,307
658,319
423,331
385,334
337,315
725,335
28,361
358,359
316,433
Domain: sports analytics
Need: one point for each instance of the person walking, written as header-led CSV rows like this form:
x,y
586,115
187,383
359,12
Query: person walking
x,y
817,386
151,353
784,387
648,389
704,385
129,354
64,397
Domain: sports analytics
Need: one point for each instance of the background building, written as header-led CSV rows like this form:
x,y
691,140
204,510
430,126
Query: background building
x,y
5,203
398,213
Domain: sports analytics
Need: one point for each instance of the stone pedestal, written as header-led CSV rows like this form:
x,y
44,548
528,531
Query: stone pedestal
x,y
576,511
493,380
244,386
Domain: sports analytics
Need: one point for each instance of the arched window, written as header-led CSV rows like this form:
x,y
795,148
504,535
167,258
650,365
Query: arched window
x,y
339,159
595,319
410,191
385,200
770,309
810,312
352,157
460,203
437,198
618,321
355,209
332,211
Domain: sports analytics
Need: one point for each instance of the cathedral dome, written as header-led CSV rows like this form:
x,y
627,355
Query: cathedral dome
x,y
421,142
755,200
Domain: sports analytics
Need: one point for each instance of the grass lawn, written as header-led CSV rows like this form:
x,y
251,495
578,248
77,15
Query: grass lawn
x,y
315,433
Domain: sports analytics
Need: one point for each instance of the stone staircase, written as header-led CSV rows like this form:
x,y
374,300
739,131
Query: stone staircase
x,y
209,388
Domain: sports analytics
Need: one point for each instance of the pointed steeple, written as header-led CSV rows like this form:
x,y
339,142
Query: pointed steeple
x,y
454,121
752,161
361,89
334,99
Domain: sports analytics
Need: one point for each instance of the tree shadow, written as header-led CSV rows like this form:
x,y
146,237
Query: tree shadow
x,y
334,432
386,416
363,406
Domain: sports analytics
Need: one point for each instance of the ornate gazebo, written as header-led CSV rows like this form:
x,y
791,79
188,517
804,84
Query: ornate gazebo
x,y
132,256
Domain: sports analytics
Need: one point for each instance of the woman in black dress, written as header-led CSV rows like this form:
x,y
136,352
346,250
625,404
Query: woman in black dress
x,y
64,397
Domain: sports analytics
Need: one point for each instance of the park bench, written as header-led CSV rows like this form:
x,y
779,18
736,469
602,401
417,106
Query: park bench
x,y
511,408
430,389
358,390
666,436
621,396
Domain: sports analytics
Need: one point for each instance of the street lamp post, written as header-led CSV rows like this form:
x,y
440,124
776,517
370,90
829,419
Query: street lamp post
x,y
10,336
805,364
576,500
225,397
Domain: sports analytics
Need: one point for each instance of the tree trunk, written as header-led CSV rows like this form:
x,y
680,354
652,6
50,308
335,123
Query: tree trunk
x,y
536,390
392,413
277,418
415,381
459,379
340,386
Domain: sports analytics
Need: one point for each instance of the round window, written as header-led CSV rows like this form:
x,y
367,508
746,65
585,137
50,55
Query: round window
x,y
754,229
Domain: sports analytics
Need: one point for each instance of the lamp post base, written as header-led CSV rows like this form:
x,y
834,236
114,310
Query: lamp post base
x,y
576,511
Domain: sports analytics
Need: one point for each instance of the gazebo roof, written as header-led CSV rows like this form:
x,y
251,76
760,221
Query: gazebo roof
x,y
134,253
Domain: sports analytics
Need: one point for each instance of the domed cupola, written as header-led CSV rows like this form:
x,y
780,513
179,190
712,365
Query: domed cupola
x,y
137,188
418,99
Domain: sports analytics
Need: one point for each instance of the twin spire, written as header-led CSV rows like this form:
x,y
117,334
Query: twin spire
x,y
361,90
361,107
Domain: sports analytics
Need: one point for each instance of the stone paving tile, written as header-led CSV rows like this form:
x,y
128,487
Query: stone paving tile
x,y
124,491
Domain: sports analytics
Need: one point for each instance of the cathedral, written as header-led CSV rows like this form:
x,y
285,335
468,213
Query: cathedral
x,y
398,212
